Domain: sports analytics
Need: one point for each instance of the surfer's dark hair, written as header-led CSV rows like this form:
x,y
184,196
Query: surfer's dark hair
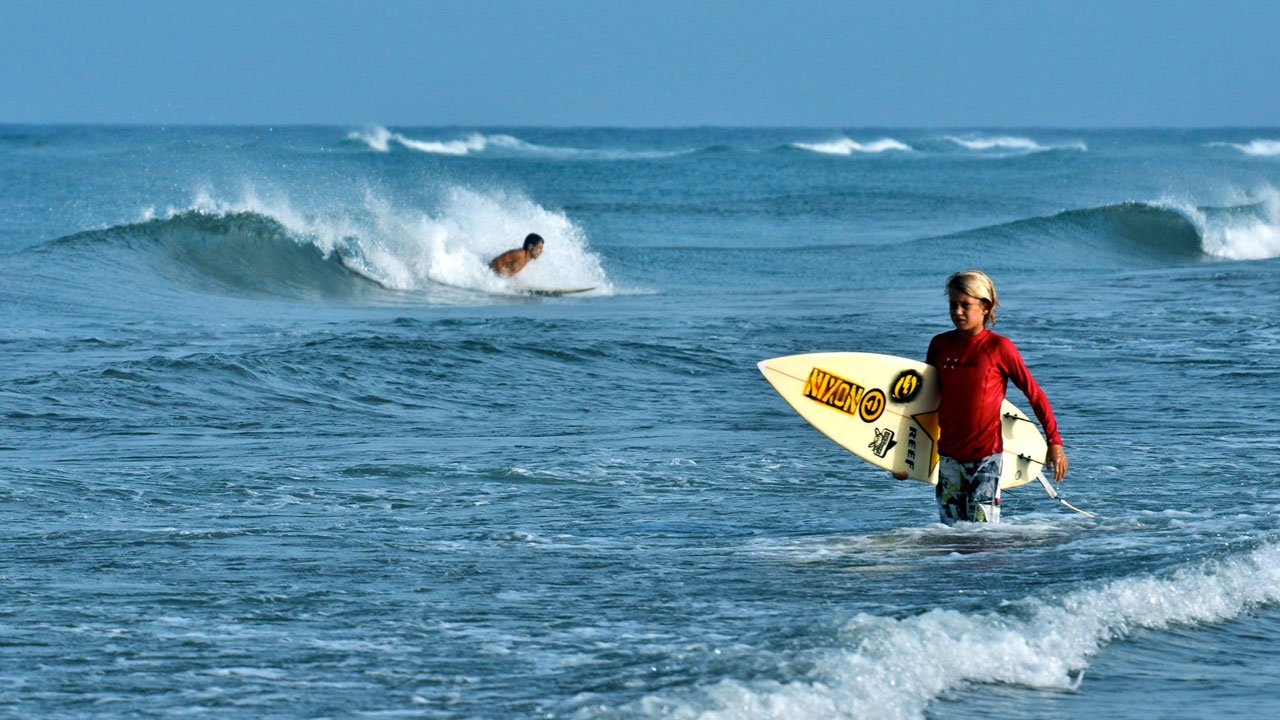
x,y
531,240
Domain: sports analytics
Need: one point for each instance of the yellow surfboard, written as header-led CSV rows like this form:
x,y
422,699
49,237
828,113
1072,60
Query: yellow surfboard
x,y
882,408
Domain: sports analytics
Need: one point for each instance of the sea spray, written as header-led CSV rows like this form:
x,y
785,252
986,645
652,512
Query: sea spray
x,y
1247,231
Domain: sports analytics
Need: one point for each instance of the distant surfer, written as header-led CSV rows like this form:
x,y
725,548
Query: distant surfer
x,y
513,261
975,366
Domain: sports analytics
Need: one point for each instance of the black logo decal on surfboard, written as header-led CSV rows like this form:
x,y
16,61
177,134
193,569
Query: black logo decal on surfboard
x,y
911,447
906,386
883,443
872,405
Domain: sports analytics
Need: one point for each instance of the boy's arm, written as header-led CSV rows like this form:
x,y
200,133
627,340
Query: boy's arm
x,y
1017,371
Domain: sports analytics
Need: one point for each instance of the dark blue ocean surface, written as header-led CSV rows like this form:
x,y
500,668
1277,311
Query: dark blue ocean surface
x,y
274,443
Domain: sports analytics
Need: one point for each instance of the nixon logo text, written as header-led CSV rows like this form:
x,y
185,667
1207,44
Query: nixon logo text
x,y
833,391
844,395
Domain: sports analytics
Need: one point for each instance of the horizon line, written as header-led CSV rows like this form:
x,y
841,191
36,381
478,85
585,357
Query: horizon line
x,y
578,126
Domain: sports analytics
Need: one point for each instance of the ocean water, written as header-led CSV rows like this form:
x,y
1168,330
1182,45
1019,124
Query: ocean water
x,y
275,444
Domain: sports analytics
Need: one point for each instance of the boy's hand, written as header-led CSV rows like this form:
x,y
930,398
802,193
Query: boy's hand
x,y
1058,459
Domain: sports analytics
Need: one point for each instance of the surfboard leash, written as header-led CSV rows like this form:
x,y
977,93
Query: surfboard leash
x,y
1054,494
1048,487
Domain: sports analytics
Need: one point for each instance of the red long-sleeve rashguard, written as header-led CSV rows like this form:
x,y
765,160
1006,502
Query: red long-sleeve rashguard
x,y
974,371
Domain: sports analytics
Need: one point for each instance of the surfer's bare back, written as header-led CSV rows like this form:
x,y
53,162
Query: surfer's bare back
x,y
513,261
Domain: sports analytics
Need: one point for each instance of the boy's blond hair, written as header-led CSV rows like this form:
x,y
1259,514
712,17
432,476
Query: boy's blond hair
x,y
975,283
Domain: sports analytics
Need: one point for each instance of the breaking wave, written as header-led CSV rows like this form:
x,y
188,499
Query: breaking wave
x,y
1241,232
845,146
1256,148
895,668
257,246
978,145
1162,232
380,139
1009,143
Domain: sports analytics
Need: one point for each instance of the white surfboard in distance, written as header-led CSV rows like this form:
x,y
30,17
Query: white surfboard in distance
x,y
557,292
883,409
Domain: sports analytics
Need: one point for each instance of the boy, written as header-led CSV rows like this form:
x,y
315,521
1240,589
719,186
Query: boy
x,y
974,367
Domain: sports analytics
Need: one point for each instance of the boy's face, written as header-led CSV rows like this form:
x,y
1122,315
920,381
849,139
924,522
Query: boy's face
x,y
968,313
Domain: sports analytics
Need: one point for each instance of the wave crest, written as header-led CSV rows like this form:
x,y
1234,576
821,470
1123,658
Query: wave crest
x,y
266,246
1118,234
978,143
895,668
1162,232
846,146
380,139
1256,148
1243,232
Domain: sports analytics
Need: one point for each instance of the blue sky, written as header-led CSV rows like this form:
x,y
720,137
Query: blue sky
x,y
826,64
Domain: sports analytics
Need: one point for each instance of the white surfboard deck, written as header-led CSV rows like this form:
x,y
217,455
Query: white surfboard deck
x,y
882,408
551,292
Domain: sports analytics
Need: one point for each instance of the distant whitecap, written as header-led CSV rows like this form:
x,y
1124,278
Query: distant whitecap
x,y
1010,143
1257,148
845,146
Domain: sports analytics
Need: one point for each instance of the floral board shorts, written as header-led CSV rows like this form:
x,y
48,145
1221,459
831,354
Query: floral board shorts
x,y
969,491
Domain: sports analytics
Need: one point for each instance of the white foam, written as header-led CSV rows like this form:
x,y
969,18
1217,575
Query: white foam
x,y
411,249
472,143
1010,142
1239,236
455,245
377,138
845,146
1257,148
895,668
380,139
